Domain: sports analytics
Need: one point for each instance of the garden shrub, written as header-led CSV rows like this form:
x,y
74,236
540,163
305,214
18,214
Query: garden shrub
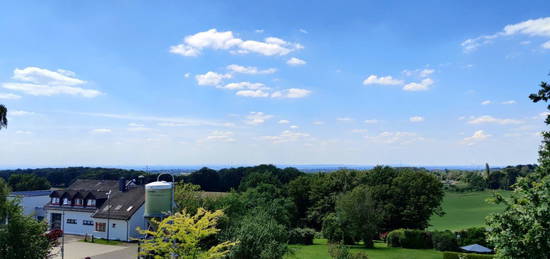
x,y
340,251
455,255
410,238
302,236
475,235
444,241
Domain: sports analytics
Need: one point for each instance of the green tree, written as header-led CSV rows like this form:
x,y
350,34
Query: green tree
x,y
3,116
357,208
28,182
20,236
522,230
181,234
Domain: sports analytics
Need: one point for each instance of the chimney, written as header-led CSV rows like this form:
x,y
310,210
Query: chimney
x,y
122,184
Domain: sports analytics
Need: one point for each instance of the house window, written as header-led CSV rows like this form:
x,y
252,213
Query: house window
x,y
114,225
91,202
78,202
55,200
65,201
87,222
71,221
99,227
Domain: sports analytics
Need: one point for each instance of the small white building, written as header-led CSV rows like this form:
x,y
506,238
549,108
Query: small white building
x,y
32,202
102,208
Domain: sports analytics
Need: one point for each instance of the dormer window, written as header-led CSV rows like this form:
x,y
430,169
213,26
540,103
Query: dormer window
x,y
66,201
55,200
78,202
90,202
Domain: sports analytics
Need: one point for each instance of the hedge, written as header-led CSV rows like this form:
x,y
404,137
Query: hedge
x,y
444,241
455,255
303,236
410,238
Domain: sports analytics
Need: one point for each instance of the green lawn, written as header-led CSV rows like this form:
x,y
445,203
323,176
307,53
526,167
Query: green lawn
x,y
319,250
464,210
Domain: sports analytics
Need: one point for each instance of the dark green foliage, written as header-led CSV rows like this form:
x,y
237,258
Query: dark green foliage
x,y
3,116
28,182
405,198
259,236
303,236
470,236
298,192
475,181
409,238
444,241
338,231
341,251
455,255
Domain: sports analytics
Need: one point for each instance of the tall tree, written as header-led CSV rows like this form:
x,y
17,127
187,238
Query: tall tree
x,y
3,116
522,230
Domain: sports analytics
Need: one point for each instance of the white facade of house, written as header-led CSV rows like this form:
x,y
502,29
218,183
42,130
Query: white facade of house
x,y
123,230
32,205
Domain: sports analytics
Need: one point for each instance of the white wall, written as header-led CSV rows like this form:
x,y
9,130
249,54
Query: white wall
x,y
118,232
78,228
30,203
137,220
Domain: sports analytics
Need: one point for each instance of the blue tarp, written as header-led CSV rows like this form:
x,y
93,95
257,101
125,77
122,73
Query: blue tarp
x,y
475,248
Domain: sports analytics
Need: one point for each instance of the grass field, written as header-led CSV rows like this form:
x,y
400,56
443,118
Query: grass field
x,y
319,250
464,210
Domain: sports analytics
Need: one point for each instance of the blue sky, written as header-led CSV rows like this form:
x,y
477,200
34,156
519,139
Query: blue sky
x,y
286,82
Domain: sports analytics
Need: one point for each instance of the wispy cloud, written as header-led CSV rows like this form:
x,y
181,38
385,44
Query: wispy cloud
x,y
477,137
491,119
382,80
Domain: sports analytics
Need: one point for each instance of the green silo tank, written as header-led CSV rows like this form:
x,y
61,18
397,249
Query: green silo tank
x,y
158,199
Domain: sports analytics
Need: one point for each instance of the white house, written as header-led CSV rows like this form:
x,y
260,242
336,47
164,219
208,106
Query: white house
x,y
32,202
102,208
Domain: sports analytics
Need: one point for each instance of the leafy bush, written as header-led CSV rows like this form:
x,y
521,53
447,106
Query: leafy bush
x,y
475,235
340,251
302,236
410,238
259,236
455,255
444,241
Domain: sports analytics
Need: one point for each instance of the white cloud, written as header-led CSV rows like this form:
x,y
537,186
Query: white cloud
x,y
509,102
291,93
486,102
416,119
303,31
318,123
9,96
534,27
250,70
295,62
23,132
20,113
253,93
101,131
212,39
286,136
187,75
211,78
421,86
345,119
399,137
371,121
490,119
294,127
477,137
419,72
179,120
283,122
38,81
383,80
218,136
259,31
245,85
256,118
426,72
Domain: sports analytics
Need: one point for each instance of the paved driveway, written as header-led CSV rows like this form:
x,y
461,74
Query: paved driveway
x,y
75,249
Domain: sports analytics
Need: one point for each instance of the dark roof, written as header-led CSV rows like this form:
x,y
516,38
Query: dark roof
x,y
122,205
31,193
94,185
